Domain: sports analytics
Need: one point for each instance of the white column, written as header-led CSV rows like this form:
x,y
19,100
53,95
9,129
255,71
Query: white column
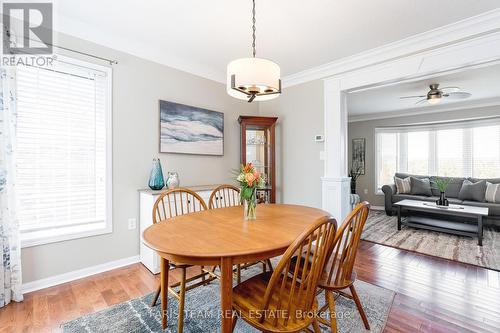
x,y
335,183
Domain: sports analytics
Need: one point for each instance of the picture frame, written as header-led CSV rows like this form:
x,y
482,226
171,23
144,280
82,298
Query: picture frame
x,y
186,129
358,154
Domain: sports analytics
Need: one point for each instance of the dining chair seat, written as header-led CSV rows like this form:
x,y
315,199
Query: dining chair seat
x,y
249,296
346,283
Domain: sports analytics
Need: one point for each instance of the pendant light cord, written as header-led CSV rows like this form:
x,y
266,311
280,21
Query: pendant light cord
x,y
253,28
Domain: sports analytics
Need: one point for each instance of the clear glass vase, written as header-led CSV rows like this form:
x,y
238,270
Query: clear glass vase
x,y
250,207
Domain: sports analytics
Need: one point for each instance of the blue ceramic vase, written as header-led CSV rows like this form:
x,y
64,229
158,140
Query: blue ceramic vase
x,y
156,181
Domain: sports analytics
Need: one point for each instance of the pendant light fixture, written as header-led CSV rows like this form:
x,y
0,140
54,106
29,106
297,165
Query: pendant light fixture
x,y
253,78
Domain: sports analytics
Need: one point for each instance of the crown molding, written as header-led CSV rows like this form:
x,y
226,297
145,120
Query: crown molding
x,y
481,103
469,28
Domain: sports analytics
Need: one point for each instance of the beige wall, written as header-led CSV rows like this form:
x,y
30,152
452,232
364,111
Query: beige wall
x,y
137,86
300,117
366,129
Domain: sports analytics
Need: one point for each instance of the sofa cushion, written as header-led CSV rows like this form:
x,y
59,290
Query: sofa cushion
x,y
472,191
493,208
420,186
492,192
399,197
453,188
406,175
489,180
403,185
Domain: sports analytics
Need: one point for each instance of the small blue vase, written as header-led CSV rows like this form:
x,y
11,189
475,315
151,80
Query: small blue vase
x,y
156,181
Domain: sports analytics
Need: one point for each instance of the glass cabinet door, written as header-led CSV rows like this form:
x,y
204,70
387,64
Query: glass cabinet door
x,y
258,148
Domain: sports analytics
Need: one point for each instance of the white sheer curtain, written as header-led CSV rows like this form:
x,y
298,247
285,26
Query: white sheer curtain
x,y
10,246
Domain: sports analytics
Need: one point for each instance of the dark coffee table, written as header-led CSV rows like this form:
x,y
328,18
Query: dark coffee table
x,y
437,222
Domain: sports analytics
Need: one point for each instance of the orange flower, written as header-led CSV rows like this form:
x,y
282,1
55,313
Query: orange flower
x,y
250,178
256,175
247,168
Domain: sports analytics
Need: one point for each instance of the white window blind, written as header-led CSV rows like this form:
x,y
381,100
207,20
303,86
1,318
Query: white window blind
x,y
460,149
62,147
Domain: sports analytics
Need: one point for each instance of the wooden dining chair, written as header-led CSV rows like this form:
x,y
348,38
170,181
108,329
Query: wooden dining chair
x,y
169,204
229,196
224,196
339,271
283,301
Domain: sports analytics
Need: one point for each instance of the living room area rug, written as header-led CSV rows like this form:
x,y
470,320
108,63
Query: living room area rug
x,y
202,310
382,229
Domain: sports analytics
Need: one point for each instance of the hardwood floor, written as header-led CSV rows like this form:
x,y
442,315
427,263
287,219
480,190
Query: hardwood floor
x,y
432,294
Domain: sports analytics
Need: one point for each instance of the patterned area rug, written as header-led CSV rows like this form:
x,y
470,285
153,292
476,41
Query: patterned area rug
x,y
202,309
382,229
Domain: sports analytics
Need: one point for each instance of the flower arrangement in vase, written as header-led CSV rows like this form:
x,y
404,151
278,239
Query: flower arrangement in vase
x,y
249,180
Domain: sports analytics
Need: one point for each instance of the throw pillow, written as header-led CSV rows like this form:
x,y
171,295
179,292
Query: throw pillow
x,y
492,192
403,185
421,186
472,191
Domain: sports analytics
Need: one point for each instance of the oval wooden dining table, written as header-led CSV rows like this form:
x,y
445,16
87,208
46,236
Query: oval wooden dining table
x,y
222,237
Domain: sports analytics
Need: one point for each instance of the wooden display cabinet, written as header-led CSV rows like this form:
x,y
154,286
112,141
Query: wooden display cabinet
x,y
258,146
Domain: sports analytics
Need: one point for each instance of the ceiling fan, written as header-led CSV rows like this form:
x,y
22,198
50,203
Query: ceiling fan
x,y
436,94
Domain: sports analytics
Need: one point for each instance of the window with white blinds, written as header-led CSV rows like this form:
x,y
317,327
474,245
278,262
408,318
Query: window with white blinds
x,y
63,151
460,149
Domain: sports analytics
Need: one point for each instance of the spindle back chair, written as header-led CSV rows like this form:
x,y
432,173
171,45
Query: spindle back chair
x,y
339,273
169,204
285,300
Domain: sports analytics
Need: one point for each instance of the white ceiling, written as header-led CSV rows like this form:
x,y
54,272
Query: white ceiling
x,y
201,37
483,83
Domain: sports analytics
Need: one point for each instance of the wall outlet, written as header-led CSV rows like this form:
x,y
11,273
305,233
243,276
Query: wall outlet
x,y
365,191
132,223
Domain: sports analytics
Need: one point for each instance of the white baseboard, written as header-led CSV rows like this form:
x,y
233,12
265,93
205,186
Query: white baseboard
x,y
78,274
377,207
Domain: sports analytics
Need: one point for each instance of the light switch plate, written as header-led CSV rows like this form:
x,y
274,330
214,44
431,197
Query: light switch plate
x,y
132,223
322,155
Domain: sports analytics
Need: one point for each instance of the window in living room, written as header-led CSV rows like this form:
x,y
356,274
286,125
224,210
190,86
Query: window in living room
x,y
63,151
464,149
418,153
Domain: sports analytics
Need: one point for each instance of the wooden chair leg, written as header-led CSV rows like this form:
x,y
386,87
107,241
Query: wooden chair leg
x,y
238,274
263,267
271,269
155,298
203,276
316,327
235,319
331,308
360,307
182,294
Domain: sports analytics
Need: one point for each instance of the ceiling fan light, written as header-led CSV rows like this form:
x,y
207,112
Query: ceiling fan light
x,y
433,100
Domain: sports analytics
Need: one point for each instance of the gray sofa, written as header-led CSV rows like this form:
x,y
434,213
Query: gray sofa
x,y
452,191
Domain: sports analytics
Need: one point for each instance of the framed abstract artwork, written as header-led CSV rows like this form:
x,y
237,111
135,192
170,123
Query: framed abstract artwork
x,y
187,129
358,154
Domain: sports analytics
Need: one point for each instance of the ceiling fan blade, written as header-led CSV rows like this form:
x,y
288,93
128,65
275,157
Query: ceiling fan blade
x,y
450,88
421,101
421,96
457,95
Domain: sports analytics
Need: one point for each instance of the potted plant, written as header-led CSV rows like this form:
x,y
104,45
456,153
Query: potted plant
x,y
441,185
354,174
249,179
